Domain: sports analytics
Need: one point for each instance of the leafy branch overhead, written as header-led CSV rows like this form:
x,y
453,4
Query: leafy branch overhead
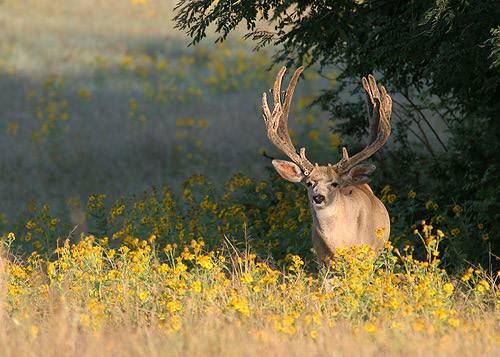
x,y
451,47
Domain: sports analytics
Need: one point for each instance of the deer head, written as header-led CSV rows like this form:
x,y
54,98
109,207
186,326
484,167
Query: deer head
x,y
325,182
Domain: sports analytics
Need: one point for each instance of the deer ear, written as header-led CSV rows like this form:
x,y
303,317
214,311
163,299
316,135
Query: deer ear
x,y
356,175
288,170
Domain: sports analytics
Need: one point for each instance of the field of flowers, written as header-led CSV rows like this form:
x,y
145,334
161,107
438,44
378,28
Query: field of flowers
x,y
149,298
137,215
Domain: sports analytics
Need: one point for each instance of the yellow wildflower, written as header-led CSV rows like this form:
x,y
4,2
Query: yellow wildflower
x,y
457,209
370,328
313,135
174,306
240,305
204,261
246,278
34,331
448,288
485,284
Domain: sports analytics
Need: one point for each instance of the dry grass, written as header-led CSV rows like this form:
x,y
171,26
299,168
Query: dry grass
x,y
211,338
97,301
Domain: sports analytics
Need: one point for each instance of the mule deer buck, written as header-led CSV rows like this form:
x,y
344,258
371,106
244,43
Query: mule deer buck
x,y
345,211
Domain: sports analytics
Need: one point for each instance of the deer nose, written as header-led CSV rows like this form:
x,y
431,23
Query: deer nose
x,y
318,198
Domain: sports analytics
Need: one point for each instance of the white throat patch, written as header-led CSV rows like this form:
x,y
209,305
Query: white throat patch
x,y
325,212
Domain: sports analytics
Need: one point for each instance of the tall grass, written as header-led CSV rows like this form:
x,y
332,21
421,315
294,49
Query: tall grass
x,y
94,299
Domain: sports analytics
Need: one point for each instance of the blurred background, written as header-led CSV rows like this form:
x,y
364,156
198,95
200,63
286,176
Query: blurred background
x,y
107,97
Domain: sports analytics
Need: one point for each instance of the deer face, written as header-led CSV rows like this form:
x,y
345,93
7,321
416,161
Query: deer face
x,y
322,186
323,183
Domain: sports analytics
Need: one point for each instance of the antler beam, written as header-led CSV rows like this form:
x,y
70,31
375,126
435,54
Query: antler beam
x,y
379,113
277,121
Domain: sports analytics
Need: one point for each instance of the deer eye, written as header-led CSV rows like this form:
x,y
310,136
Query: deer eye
x,y
335,184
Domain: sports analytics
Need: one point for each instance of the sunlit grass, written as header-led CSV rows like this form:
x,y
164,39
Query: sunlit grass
x,y
98,292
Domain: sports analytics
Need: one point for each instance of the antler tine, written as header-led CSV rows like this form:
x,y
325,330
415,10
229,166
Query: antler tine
x,y
278,120
286,106
369,101
373,117
277,86
386,103
379,112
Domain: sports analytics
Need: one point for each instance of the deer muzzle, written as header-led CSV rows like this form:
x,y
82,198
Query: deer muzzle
x,y
318,199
